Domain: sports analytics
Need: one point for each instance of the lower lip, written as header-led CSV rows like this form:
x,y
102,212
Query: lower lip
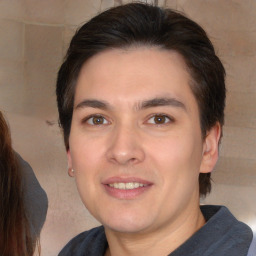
x,y
126,193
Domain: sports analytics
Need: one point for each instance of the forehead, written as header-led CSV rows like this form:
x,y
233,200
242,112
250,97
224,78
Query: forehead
x,y
129,75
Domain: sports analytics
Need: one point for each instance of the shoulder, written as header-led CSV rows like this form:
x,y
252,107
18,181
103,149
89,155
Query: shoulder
x,y
91,243
222,235
35,198
227,233
220,217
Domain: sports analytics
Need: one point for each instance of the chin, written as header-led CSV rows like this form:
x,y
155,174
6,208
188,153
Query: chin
x,y
125,228
129,224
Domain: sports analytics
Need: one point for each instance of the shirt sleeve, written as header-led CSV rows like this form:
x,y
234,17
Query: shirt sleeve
x,y
35,198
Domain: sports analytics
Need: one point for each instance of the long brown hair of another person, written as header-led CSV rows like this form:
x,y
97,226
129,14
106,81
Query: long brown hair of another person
x,y
15,237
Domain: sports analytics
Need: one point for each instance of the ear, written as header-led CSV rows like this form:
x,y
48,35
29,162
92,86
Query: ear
x,y
71,172
210,153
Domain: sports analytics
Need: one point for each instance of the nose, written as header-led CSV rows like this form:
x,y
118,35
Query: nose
x,y
125,147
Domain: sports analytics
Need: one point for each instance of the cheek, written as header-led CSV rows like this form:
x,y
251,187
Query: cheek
x,y
177,149
86,163
85,153
177,157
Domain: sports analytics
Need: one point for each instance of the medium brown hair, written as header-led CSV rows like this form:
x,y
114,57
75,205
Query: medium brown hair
x,y
15,237
138,24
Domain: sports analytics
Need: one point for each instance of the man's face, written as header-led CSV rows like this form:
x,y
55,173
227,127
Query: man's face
x,y
135,141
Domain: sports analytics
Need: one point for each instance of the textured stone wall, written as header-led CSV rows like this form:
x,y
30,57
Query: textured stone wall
x,y
34,35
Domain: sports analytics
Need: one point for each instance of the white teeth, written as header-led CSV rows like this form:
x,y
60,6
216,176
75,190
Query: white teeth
x,y
128,185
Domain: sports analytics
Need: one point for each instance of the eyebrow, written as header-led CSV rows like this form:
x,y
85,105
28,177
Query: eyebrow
x,y
93,104
155,102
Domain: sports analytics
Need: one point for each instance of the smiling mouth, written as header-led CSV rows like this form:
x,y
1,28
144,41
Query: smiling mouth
x,y
127,186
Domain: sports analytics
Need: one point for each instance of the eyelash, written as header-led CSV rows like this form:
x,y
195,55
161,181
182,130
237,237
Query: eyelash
x,y
86,120
105,121
170,119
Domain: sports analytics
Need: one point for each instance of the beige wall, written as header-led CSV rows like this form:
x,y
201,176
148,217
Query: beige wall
x,y
34,35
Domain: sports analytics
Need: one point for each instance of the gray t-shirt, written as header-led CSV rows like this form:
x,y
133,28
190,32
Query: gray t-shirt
x,y
35,198
222,235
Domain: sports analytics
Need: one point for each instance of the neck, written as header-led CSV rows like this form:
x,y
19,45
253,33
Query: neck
x,y
161,241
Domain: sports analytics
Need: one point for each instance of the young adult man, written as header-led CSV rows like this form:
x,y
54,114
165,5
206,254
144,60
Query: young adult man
x,y
141,98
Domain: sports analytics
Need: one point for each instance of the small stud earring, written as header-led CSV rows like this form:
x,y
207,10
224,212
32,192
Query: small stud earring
x,y
71,172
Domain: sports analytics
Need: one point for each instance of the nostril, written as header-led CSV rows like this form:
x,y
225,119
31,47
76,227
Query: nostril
x,y
125,159
133,159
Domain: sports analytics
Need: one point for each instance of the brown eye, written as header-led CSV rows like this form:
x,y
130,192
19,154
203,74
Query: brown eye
x,y
96,120
159,119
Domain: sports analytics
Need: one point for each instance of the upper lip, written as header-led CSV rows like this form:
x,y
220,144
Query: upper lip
x,y
117,179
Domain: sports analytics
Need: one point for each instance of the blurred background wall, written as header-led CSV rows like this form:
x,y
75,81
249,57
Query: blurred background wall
x,y
34,35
